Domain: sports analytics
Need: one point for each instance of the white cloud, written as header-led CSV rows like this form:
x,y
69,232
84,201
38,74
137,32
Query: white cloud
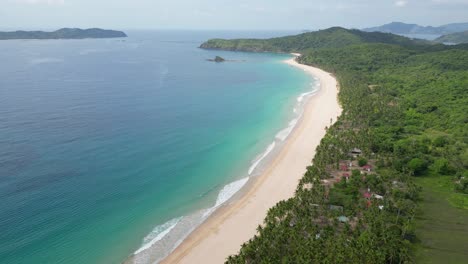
x,y
401,3
40,2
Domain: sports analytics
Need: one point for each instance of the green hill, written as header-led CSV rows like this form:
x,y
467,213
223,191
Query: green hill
x,y
454,38
329,38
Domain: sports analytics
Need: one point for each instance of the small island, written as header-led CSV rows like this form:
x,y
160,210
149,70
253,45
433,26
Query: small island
x,y
64,33
217,59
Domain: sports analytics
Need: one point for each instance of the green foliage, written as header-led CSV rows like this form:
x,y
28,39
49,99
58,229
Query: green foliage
x,y
406,102
441,223
441,166
362,162
455,38
440,141
417,166
335,37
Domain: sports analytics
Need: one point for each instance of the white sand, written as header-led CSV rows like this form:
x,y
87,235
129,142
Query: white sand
x,y
235,223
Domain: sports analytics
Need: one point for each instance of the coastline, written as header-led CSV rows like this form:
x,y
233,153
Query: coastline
x,y
234,223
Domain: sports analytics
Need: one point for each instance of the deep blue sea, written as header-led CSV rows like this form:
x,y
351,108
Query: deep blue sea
x,y
111,147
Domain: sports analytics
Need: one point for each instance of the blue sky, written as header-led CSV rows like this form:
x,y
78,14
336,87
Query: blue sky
x,y
226,14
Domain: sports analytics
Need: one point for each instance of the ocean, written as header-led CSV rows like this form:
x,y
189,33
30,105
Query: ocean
x,y
112,148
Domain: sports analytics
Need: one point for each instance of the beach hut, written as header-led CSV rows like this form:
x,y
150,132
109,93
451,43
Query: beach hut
x,y
367,167
380,197
343,219
343,167
367,195
308,186
346,175
336,208
355,152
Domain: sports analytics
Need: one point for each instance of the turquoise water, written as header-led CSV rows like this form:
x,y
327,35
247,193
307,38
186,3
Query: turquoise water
x,y
105,141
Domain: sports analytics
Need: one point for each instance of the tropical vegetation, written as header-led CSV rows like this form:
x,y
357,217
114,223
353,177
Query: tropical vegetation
x,y
454,38
405,106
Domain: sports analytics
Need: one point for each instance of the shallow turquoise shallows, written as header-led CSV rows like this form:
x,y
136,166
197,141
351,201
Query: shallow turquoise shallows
x,y
101,141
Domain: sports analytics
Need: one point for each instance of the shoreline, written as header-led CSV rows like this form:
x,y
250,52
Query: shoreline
x,y
234,223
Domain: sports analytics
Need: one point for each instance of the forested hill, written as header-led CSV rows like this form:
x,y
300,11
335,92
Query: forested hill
x,y
454,38
335,37
404,123
64,33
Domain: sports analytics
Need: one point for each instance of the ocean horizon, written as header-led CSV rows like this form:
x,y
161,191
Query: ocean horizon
x,y
121,147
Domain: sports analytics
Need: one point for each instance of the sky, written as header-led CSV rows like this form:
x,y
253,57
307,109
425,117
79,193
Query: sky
x,y
226,14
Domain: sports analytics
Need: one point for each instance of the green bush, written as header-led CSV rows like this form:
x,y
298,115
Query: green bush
x,y
441,166
440,141
362,162
417,166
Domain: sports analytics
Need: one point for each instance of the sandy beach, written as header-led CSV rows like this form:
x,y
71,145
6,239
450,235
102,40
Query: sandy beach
x,y
235,223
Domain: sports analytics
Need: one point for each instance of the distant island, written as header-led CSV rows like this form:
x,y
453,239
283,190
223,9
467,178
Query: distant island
x,y
64,33
403,28
454,38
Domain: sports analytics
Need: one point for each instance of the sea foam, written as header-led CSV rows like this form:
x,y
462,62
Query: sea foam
x,y
157,234
267,151
283,134
229,190
225,194
301,97
176,230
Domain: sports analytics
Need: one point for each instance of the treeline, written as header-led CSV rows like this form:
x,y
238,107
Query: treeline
x,y
404,106
417,102
330,38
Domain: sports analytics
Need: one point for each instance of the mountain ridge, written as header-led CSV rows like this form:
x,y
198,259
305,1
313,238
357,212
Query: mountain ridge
x,y
405,28
454,38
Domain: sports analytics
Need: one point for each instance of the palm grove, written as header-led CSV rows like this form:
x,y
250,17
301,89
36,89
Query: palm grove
x,y
404,110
